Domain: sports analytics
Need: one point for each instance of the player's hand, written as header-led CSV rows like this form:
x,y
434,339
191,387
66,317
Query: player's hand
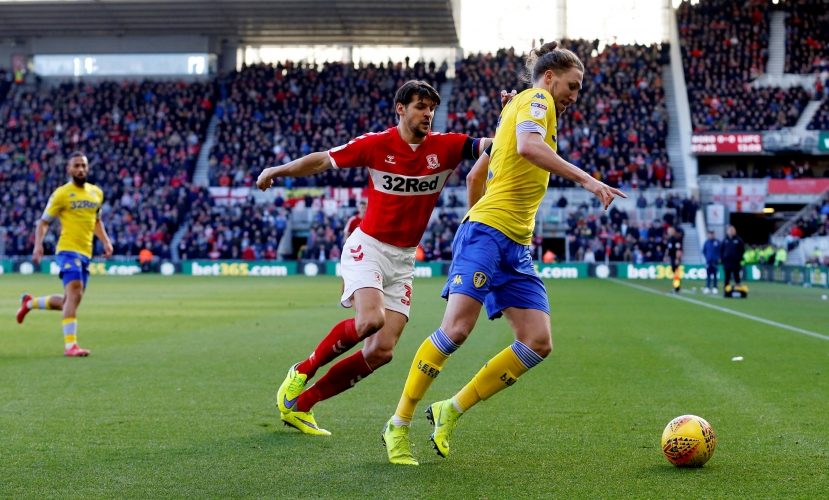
x,y
507,96
37,255
603,192
108,249
264,182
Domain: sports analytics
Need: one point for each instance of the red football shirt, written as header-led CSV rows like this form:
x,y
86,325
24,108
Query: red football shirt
x,y
404,184
353,223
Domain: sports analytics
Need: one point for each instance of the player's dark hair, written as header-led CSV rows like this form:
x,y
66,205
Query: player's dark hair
x,y
76,154
412,88
549,57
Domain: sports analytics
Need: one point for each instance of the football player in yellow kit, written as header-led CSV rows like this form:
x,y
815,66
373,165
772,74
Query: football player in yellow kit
x,y
78,206
491,261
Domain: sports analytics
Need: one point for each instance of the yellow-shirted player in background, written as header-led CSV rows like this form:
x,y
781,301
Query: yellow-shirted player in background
x,y
491,261
77,204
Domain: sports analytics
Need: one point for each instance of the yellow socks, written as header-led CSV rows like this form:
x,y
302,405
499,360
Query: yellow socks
x,y
427,364
70,332
499,373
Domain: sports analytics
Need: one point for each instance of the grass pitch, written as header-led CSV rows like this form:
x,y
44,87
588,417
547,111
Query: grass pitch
x,y
178,397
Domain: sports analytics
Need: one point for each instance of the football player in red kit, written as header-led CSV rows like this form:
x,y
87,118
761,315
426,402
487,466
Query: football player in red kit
x,y
408,166
354,221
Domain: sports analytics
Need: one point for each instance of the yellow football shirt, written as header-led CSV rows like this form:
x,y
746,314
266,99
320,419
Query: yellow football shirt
x,y
78,209
515,187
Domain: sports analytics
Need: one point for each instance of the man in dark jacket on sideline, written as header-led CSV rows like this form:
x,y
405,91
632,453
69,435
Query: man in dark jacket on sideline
x,y
731,253
711,252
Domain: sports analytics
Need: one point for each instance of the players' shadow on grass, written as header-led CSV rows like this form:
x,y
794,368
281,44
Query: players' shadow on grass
x,y
669,471
276,435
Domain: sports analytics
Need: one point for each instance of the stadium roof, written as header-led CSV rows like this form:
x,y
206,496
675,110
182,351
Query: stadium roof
x,y
387,22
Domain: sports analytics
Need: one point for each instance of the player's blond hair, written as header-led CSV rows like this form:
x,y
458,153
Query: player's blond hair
x,y
549,57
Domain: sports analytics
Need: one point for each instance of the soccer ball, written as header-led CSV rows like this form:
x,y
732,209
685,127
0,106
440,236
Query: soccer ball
x,y
688,441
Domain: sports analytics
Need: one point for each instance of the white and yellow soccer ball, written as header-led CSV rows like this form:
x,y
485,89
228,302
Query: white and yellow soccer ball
x,y
688,441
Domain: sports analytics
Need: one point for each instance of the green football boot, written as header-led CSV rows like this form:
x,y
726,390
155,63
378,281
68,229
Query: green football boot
x,y
444,417
398,446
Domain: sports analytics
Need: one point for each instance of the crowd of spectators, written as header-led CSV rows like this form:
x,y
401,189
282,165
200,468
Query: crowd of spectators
x,y
273,114
821,119
617,128
141,138
436,243
807,43
611,236
724,47
240,231
815,223
795,169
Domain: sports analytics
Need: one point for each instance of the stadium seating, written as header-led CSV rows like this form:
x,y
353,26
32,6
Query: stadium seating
x,y
807,26
821,119
613,234
617,128
815,223
243,231
725,47
274,114
141,140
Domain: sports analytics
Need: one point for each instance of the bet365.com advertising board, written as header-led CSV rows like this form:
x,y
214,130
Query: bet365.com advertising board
x,y
239,268
97,268
814,276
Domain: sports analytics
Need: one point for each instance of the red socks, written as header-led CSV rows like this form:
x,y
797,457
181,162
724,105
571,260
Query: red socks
x,y
341,338
341,377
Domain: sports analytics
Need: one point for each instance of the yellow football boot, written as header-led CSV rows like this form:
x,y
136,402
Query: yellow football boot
x,y
290,390
444,416
398,446
304,422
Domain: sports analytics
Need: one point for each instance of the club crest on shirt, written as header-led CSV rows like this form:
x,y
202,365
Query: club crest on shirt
x,y
432,162
479,279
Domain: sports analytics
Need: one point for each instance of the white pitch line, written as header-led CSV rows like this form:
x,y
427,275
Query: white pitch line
x,y
723,309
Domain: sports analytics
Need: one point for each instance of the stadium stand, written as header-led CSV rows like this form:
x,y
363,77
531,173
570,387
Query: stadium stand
x,y
243,231
821,119
814,224
274,114
724,47
795,169
143,151
616,130
6,79
612,235
141,138
807,26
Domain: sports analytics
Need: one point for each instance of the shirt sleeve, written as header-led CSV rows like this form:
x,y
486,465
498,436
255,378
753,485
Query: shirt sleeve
x,y
353,154
536,115
53,208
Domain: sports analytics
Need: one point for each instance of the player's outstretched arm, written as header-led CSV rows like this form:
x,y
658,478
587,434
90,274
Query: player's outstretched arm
x,y
311,164
40,232
532,147
476,180
101,233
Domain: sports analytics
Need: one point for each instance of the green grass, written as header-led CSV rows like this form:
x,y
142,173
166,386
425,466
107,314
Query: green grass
x,y
178,397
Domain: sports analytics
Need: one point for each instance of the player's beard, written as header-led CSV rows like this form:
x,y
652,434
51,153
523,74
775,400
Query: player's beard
x,y
414,128
79,181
